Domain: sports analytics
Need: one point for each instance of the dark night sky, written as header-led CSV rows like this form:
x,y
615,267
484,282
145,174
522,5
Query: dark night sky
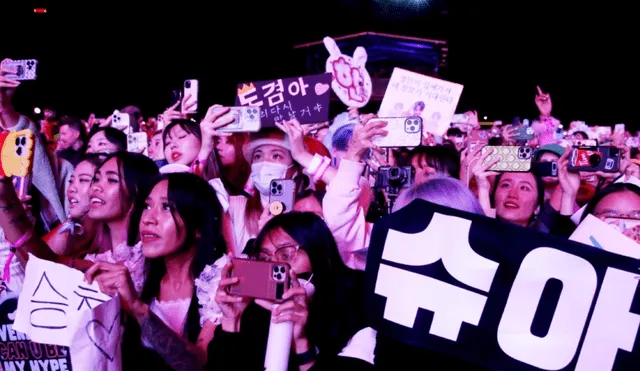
x,y
95,58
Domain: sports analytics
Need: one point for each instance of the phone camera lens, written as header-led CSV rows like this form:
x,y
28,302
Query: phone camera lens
x,y
187,84
594,160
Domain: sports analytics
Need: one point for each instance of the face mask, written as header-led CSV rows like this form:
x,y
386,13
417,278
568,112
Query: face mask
x,y
262,173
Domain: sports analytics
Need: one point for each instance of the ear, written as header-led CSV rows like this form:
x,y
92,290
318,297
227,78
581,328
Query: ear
x,y
331,46
360,56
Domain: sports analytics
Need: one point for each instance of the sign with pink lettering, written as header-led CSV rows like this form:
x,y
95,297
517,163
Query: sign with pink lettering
x,y
303,98
351,81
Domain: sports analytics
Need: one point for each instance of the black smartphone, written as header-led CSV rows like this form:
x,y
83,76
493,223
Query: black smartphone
x,y
176,96
545,168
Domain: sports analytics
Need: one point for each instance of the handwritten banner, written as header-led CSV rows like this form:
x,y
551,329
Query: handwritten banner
x,y
303,98
57,306
17,351
501,296
413,94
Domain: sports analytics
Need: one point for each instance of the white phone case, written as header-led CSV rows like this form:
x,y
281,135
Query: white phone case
x,y
138,143
191,88
245,120
403,132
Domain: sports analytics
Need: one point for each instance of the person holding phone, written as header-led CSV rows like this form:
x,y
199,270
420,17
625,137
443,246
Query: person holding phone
x,y
325,320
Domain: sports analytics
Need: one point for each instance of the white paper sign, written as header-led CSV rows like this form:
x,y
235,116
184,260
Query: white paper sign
x,y
594,232
58,307
95,345
413,94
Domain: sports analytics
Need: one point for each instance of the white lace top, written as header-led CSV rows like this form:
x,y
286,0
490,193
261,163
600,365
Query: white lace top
x,y
132,258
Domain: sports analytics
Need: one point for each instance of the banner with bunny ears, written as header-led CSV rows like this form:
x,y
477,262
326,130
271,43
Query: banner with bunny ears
x,y
351,81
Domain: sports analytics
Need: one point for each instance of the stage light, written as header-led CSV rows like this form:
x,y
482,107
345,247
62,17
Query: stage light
x,y
484,118
37,110
40,10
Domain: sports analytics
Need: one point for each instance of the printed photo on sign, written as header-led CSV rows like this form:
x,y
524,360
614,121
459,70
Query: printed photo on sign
x,y
305,99
499,295
17,351
413,94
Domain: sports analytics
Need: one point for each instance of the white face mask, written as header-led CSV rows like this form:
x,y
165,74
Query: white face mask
x,y
262,173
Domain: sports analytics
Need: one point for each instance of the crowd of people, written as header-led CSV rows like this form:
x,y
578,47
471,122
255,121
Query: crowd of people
x,y
162,230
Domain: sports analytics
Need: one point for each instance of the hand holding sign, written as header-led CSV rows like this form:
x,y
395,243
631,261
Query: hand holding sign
x,y
115,279
351,81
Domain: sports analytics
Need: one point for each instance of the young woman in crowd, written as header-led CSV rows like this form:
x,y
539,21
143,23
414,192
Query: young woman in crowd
x,y
106,140
77,234
179,223
324,320
234,166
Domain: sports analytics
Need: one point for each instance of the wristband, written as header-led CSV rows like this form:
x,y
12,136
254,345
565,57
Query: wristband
x,y
315,164
307,357
12,252
322,169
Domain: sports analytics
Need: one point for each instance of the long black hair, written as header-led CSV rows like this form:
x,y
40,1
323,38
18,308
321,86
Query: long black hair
x,y
191,127
327,307
193,201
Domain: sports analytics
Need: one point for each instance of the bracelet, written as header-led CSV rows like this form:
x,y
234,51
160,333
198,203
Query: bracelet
x,y
6,276
322,169
315,164
307,357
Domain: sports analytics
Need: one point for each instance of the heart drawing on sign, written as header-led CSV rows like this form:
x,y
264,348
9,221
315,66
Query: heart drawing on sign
x,y
321,88
95,326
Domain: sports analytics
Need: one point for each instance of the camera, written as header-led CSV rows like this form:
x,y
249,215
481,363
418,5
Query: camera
x,y
395,177
187,84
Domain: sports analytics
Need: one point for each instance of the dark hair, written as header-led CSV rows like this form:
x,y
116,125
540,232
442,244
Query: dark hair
x,y
113,135
74,124
539,186
134,115
137,171
582,134
606,191
95,159
235,177
419,104
194,202
317,241
445,159
191,127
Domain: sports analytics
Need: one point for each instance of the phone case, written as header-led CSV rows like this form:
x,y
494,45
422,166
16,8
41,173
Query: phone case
x,y
524,133
512,158
26,69
478,139
260,279
585,142
120,121
138,143
593,159
245,119
191,88
282,195
403,132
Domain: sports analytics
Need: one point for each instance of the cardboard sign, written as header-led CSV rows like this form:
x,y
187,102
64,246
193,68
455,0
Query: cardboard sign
x,y
502,296
413,94
303,98
350,79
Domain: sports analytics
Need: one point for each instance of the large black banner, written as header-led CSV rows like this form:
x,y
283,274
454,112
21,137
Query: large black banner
x,y
499,295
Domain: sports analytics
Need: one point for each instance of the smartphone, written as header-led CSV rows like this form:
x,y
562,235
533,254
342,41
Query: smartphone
x,y
17,158
191,88
619,128
176,96
26,69
138,143
260,279
121,121
403,132
282,196
523,133
478,139
160,123
545,168
245,119
512,158
591,159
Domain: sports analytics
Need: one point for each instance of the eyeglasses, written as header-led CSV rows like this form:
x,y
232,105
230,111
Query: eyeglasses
x,y
284,254
615,214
